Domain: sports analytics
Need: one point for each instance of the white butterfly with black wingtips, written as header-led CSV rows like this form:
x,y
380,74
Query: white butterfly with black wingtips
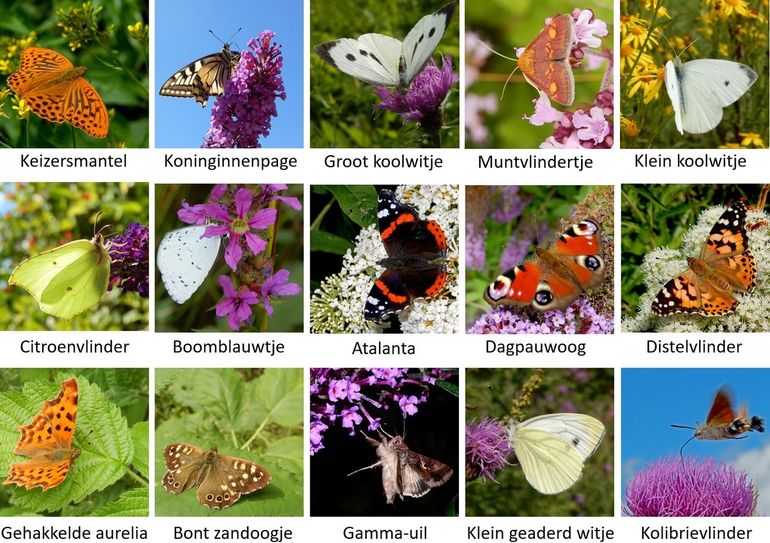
x,y
384,61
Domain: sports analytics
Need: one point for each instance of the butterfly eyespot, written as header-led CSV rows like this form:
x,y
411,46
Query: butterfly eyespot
x,y
543,297
218,499
176,484
210,497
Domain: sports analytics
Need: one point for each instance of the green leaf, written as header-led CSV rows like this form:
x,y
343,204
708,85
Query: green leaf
x,y
140,436
101,434
218,391
278,395
289,450
132,503
329,243
358,202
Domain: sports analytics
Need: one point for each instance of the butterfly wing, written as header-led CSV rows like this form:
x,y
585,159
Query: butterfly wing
x,y
545,61
726,248
66,280
674,90
372,58
419,474
721,411
583,432
185,259
84,108
47,440
183,464
422,40
227,479
550,464
203,77
38,66
705,87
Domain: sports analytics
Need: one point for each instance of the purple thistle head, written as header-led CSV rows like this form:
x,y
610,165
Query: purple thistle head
x,y
130,260
486,449
422,102
243,113
675,487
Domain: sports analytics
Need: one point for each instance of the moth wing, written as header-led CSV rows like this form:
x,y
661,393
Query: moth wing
x,y
423,39
583,432
420,473
372,58
550,464
545,62
721,411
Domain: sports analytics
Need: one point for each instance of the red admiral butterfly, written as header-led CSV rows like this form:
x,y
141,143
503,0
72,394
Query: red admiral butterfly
x,y
414,267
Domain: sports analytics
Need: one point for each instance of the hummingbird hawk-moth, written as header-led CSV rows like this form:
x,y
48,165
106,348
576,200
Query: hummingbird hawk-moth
x,y
405,472
723,422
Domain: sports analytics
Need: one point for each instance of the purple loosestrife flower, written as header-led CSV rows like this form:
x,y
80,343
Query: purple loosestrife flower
x,y
344,397
240,225
672,487
486,449
243,113
277,285
422,102
130,260
236,303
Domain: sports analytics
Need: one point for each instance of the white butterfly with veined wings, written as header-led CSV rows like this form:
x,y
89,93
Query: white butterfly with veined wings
x,y
552,449
701,89
384,61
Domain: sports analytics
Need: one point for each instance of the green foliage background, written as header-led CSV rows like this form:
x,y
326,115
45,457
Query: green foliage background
x,y
548,205
117,68
255,414
658,216
341,107
589,391
110,477
690,21
197,314
506,26
42,216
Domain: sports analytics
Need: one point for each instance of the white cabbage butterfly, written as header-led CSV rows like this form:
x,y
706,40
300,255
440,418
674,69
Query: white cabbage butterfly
x,y
700,89
552,449
381,60
185,259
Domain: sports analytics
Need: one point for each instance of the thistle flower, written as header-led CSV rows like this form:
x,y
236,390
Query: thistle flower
x,y
130,260
486,449
672,487
243,113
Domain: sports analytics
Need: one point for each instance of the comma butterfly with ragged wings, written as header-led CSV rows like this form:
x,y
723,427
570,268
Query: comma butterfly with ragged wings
x,y
221,480
56,90
557,275
725,266
47,440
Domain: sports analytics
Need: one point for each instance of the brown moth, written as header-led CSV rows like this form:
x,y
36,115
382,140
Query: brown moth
x,y
221,480
545,61
404,472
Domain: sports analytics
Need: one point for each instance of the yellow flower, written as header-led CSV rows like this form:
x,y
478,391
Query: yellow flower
x,y
728,8
138,30
751,138
731,146
649,80
630,128
22,109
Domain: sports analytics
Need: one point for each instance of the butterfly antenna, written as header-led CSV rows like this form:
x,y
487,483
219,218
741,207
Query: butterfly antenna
x,y
681,426
229,40
510,75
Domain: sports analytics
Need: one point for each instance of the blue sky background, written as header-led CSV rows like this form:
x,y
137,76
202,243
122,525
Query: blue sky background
x,y
182,36
653,399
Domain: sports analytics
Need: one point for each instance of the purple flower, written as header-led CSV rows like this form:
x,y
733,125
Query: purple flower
x,y
544,112
130,260
240,226
277,285
486,449
586,25
422,102
475,246
672,487
351,418
475,107
408,405
338,389
316,436
236,304
508,203
591,127
243,113
579,318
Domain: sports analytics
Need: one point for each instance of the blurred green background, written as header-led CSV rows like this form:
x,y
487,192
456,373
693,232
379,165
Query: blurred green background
x,y
42,216
658,216
506,26
197,313
589,391
116,58
341,107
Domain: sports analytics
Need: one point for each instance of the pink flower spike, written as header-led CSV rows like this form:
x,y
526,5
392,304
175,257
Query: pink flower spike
x,y
593,127
236,304
544,112
585,28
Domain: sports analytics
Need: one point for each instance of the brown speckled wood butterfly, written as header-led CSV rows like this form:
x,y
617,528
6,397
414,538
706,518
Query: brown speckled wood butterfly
x,y
221,480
